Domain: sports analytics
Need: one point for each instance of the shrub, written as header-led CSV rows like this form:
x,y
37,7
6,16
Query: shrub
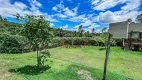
x,y
43,57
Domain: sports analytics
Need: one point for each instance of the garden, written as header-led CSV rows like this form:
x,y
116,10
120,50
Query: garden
x,y
35,51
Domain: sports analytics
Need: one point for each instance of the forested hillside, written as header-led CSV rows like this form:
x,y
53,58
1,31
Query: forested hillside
x,y
12,39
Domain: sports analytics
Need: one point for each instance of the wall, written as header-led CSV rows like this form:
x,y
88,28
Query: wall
x,y
118,30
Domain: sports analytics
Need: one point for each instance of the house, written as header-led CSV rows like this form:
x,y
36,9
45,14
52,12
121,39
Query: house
x,y
130,32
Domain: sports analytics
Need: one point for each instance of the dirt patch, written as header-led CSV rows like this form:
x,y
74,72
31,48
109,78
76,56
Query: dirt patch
x,y
4,73
4,69
83,74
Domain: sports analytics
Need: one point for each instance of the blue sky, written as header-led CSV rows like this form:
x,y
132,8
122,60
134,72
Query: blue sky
x,y
69,14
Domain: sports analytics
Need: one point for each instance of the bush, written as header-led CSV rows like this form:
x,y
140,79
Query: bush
x,y
12,43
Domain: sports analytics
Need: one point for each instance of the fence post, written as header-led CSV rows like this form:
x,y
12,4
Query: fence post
x,y
107,56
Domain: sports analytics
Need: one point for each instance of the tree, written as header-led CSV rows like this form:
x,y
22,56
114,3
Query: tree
x,y
37,30
1,18
5,20
104,34
93,29
129,20
104,29
139,18
80,29
87,34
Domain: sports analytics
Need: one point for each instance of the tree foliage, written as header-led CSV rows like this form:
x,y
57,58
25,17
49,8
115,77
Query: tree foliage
x,y
139,18
37,30
104,34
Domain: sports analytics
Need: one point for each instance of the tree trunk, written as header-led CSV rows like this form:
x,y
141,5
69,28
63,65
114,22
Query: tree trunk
x,y
37,50
72,42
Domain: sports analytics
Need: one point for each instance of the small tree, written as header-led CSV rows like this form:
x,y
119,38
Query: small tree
x,y
37,30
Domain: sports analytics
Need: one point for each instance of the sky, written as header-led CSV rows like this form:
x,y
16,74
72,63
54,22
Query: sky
x,y
69,14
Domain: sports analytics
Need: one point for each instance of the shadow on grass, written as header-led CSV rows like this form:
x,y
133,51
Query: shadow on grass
x,y
102,49
29,70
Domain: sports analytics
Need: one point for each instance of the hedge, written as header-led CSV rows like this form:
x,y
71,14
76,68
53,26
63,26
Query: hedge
x,y
12,43
98,41
19,44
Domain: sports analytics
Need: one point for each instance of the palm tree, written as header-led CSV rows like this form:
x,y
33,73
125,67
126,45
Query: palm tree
x,y
139,18
93,29
80,29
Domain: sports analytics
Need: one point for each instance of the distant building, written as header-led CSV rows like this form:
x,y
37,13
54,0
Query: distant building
x,y
130,32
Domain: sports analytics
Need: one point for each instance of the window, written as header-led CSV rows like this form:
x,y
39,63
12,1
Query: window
x,y
135,35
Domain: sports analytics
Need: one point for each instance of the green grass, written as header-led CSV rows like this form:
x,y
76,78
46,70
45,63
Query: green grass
x,y
91,59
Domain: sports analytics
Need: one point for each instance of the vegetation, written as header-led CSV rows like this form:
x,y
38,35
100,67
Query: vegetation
x,y
104,35
139,18
13,43
28,44
64,67
74,62
37,30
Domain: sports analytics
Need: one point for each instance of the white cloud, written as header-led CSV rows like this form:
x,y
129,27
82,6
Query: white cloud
x,y
61,15
35,5
111,17
35,2
98,31
132,5
64,27
7,9
80,18
76,26
65,12
50,18
87,23
20,5
94,25
55,8
69,12
89,28
130,10
95,2
83,18
59,7
107,17
52,25
106,4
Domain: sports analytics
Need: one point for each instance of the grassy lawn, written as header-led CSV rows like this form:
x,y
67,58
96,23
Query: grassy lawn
x,y
73,64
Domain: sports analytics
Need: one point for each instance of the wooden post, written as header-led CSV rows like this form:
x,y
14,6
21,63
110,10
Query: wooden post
x,y
107,56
